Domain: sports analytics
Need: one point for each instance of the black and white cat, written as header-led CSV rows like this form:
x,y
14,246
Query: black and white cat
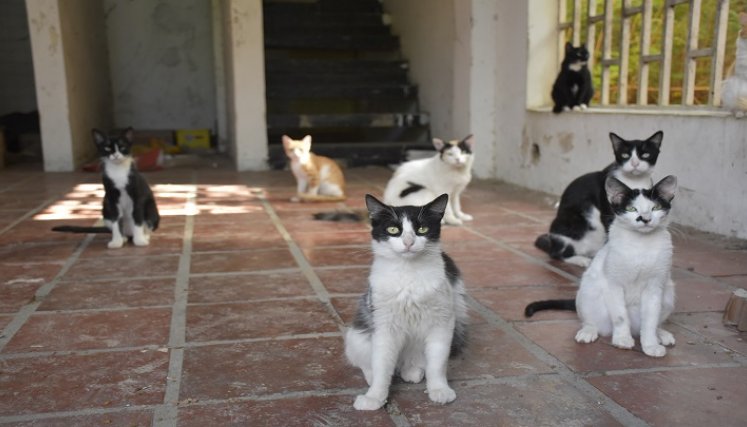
x,y
417,182
573,88
628,290
129,207
580,227
414,314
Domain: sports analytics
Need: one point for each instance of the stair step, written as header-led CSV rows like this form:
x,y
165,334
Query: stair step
x,y
333,42
323,6
419,134
335,79
343,105
353,91
346,120
272,19
334,66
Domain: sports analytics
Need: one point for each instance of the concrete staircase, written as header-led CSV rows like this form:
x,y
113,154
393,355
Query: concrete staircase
x,y
334,71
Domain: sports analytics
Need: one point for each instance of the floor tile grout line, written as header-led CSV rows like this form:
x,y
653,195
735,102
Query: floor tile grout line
x,y
13,419
157,347
27,310
306,268
17,183
33,211
619,412
166,415
632,371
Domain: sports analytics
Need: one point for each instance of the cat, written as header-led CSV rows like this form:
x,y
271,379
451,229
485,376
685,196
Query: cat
x,y
573,88
735,87
414,313
580,227
129,207
628,290
419,181
318,178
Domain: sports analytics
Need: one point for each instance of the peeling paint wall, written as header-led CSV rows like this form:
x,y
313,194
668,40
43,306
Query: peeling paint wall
x,y
17,71
161,61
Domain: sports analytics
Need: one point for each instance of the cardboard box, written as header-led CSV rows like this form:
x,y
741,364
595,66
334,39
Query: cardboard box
x,y
193,139
735,313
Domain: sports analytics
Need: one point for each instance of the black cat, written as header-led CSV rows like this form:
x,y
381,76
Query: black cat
x,y
573,88
584,215
129,205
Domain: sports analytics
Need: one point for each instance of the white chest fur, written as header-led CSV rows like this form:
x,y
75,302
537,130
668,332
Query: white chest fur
x,y
119,174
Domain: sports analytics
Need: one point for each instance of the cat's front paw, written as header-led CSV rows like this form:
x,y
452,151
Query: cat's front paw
x,y
295,199
466,217
576,108
365,403
442,395
453,221
141,241
413,375
586,335
623,341
583,106
115,244
665,337
655,350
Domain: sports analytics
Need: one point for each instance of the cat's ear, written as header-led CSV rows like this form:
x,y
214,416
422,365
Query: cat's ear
x,y
615,189
470,141
374,206
617,142
128,135
286,141
438,205
666,188
98,137
306,141
438,144
656,139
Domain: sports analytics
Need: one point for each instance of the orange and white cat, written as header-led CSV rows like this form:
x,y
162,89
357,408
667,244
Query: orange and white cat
x,y
735,87
319,178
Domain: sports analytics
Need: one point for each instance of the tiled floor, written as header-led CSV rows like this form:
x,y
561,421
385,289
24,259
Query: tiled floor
x,y
233,316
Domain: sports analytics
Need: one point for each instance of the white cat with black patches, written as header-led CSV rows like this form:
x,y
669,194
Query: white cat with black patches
x,y
584,215
417,182
129,207
628,290
414,314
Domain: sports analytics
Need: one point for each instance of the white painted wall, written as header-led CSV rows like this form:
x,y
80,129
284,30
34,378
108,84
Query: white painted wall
x,y
72,95
245,83
17,71
161,61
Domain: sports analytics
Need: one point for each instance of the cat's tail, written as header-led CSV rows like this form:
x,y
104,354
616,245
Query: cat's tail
x,y
76,229
551,304
321,198
556,247
337,216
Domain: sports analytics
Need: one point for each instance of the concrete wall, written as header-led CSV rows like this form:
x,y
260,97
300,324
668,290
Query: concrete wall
x,y
245,83
17,71
71,77
161,61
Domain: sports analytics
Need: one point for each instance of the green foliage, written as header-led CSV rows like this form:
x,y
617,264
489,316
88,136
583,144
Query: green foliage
x,y
706,36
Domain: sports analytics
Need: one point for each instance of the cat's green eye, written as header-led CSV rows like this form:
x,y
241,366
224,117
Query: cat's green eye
x,y
631,209
658,207
422,230
645,155
392,230
625,156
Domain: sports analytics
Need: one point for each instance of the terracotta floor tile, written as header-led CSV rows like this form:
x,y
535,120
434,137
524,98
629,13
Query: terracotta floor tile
x,y
240,241
257,226
239,261
323,257
68,383
711,396
534,401
715,262
330,411
40,273
122,418
116,268
739,281
15,295
4,320
159,245
256,213
699,295
526,231
95,330
711,326
243,287
226,371
257,319
32,252
119,293
315,239
344,280
474,251
557,338
509,303
509,270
